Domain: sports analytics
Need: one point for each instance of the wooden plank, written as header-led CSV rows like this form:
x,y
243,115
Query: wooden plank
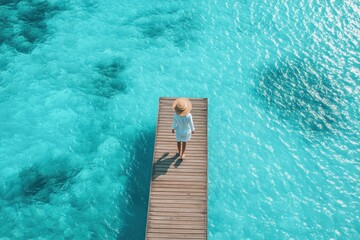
x,y
195,161
178,198
152,235
177,214
180,169
191,207
196,165
177,218
187,209
164,223
190,171
179,185
178,189
170,201
168,190
185,228
176,193
174,230
165,193
194,155
169,177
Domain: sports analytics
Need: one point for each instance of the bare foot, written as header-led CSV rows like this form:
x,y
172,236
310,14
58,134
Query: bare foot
x,y
183,156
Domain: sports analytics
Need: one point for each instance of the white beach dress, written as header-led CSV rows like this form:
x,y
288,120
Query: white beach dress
x,y
183,126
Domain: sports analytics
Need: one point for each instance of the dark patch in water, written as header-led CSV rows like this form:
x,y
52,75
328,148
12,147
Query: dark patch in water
x,y
177,26
32,181
307,97
23,23
111,69
110,81
38,182
107,80
137,190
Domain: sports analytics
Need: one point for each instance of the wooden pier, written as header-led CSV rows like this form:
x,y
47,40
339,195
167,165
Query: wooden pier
x,y
178,191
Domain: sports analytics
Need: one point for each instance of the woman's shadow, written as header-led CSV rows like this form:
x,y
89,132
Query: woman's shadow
x,y
162,165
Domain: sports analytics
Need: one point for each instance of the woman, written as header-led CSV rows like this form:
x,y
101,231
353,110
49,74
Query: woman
x,y
183,123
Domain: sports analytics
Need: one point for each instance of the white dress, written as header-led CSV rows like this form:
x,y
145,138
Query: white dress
x,y
183,126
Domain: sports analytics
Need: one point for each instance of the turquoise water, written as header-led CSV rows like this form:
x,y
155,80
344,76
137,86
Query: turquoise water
x,y
79,88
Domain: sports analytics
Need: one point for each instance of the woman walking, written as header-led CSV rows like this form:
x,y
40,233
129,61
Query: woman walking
x,y
183,124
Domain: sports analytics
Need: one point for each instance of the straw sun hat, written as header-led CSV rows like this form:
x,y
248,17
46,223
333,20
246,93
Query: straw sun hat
x,y
182,106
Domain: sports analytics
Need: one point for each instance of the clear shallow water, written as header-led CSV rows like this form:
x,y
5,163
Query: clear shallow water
x,y
79,87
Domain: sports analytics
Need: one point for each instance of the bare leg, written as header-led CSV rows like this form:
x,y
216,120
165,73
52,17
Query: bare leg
x,y
183,149
179,147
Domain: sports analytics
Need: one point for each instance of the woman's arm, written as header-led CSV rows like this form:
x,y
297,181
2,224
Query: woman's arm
x,y
173,126
191,124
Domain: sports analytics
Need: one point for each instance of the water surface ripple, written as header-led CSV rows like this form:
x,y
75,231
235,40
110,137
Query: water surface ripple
x,y
79,88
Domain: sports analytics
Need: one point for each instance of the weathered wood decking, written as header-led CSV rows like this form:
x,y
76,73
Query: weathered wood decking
x,y
178,191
